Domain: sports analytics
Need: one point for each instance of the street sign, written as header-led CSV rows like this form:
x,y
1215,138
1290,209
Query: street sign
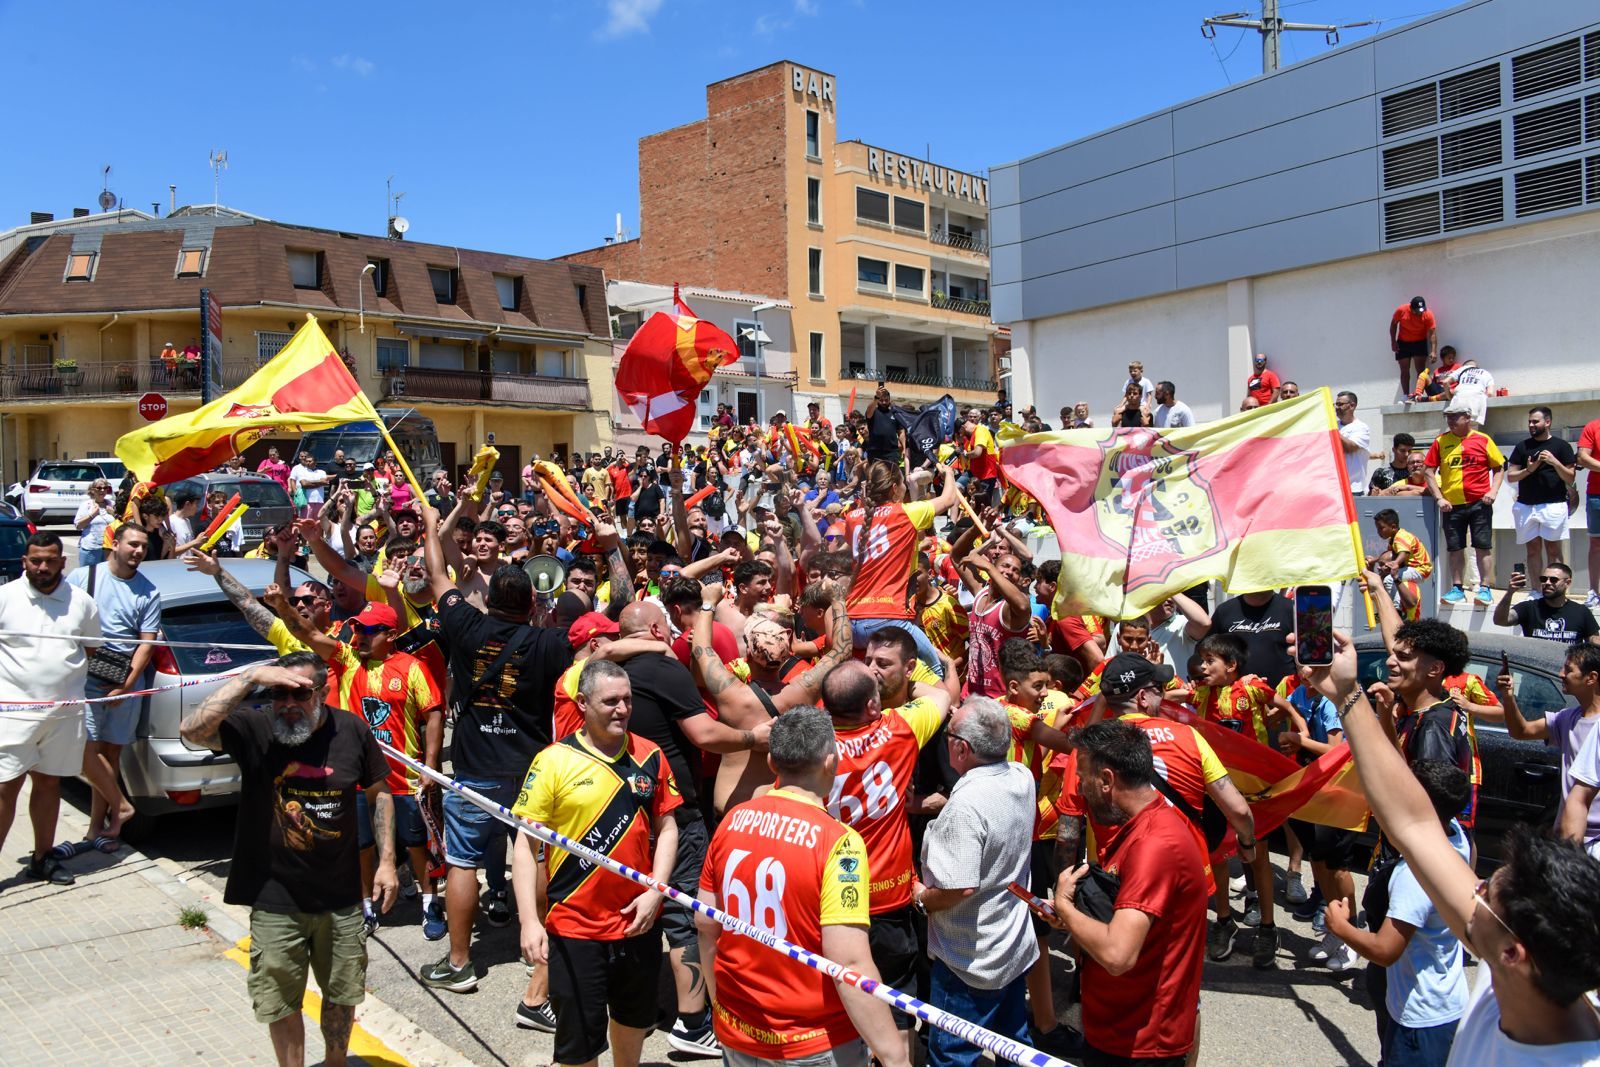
x,y
153,406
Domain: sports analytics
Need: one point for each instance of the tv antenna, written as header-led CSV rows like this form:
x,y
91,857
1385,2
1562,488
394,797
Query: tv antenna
x,y
108,199
219,163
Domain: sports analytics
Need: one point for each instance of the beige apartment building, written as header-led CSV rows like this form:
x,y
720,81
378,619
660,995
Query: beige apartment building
x,y
477,341
883,256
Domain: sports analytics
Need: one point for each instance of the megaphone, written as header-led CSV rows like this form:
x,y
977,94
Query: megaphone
x,y
548,574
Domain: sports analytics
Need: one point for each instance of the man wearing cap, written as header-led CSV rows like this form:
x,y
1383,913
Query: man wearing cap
x,y
1414,340
1464,470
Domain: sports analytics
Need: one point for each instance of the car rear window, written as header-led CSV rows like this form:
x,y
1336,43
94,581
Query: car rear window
x,y
69,472
220,623
268,494
13,541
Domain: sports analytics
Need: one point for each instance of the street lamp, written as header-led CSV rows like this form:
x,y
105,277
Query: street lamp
x,y
759,337
361,295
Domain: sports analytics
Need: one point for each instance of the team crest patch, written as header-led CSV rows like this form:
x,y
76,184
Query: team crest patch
x,y
1154,501
394,685
375,711
848,864
643,786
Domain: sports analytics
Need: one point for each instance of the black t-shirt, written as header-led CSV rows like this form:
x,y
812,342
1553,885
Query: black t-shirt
x,y
883,435
648,503
1543,486
501,724
1568,624
294,843
1264,631
664,695
1385,476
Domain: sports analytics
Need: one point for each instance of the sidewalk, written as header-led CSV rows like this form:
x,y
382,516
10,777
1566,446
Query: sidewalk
x,y
102,973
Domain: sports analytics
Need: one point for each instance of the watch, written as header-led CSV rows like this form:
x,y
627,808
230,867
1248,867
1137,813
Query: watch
x,y
707,607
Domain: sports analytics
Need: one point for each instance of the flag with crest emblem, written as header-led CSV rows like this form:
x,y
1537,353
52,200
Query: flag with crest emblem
x,y
666,365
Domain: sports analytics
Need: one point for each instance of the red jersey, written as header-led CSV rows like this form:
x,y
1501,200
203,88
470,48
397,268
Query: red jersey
x,y
1150,1010
1412,327
1248,699
876,762
1262,386
568,718
1590,439
884,565
779,862
621,484
395,697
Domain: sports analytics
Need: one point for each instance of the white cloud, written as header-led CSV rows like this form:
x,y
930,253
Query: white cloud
x,y
355,64
767,25
806,7
302,62
629,16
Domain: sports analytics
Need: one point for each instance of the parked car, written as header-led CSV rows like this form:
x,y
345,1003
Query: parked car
x,y
1521,779
115,470
56,489
14,533
162,773
269,503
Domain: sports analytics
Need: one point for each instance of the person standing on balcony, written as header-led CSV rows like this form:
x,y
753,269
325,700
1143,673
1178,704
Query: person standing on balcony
x,y
1414,340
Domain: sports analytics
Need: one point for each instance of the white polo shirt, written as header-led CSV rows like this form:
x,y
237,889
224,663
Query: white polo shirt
x,y
42,668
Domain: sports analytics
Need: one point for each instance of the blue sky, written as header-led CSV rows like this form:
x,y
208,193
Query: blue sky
x,y
513,126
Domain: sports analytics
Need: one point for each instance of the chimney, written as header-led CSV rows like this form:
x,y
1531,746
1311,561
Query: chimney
x,y
80,212
36,217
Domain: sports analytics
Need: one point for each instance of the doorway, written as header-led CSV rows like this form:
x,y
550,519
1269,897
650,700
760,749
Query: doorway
x,y
747,406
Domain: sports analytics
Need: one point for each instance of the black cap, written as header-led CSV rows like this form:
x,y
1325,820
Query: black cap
x,y
1418,305
1128,672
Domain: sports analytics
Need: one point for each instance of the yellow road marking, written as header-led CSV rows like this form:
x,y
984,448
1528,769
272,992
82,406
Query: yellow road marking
x,y
362,1044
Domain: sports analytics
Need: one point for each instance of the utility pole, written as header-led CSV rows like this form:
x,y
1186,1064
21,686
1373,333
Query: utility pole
x,y
1271,28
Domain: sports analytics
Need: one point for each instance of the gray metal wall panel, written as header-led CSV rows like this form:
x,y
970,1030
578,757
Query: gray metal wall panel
x,y
1104,283
1005,263
1005,301
1005,225
1320,187
1472,36
1107,153
1346,128
1003,185
1125,235
1319,83
1132,190
1301,242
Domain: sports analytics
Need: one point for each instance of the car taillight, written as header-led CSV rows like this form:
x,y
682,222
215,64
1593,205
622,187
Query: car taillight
x,y
38,488
184,796
166,663
32,529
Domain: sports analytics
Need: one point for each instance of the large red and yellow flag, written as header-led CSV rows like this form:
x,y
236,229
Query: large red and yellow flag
x,y
306,386
1259,500
665,366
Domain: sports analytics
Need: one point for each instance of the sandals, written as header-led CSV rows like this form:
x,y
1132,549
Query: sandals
x,y
65,850
105,844
48,869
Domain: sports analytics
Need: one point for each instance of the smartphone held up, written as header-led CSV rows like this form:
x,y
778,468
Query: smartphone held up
x,y
1313,625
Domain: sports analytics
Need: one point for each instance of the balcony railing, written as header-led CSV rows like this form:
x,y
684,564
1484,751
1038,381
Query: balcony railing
x,y
428,383
967,242
900,377
962,304
99,380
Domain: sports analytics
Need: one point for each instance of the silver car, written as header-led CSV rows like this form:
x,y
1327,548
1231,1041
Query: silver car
x,y
162,773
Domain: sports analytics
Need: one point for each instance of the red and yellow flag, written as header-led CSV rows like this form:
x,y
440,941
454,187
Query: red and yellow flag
x,y
306,386
666,364
1259,500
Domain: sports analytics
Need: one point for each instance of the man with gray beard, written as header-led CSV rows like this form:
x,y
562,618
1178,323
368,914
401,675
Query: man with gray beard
x,y
295,855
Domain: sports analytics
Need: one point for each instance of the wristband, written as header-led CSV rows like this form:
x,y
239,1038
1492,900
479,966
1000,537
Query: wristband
x,y
1251,844
1349,702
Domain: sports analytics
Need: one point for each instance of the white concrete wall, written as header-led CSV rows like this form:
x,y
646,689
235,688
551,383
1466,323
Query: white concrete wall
x,y
1524,302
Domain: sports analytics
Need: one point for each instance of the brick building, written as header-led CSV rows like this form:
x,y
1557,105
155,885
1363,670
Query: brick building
x,y
883,257
477,341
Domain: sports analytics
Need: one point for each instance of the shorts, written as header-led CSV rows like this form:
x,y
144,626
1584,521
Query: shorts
x,y
468,829
409,831
1476,518
677,921
114,723
1548,522
849,1054
896,950
1411,349
1591,510
1093,1057
332,944
1340,850
1042,880
51,744
588,978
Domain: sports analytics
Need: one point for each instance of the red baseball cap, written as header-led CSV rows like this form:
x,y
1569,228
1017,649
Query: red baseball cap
x,y
587,627
375,614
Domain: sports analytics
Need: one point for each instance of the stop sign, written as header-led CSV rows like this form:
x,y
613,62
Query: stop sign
x,y
153,406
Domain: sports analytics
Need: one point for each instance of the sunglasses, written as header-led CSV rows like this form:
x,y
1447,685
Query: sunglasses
x,y
1480,895
305,598
297,693
371,630
545,529
1550,579
665,573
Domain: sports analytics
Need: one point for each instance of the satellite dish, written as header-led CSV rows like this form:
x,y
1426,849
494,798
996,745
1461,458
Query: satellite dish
x,y
400,224
548,574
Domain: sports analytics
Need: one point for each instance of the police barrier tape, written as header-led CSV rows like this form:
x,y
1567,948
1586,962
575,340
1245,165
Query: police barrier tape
x,y
29,705
84,639
1003,1047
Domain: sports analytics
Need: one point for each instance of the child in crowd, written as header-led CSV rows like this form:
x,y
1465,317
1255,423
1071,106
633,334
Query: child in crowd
x,y
1404,564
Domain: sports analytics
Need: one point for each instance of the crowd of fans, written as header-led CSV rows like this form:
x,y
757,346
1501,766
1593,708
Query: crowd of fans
x,y
790,674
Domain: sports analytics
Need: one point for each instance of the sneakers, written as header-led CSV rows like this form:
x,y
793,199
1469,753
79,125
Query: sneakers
x,y
434,925
700,1042
1319,921
1484,598
48,869
1454,596
1264,953
1307,909
1219,942
536,1018
1329,947
1252,911
1344,960
1294,889
369,921
1236,885
456,979
1592,601
497,910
